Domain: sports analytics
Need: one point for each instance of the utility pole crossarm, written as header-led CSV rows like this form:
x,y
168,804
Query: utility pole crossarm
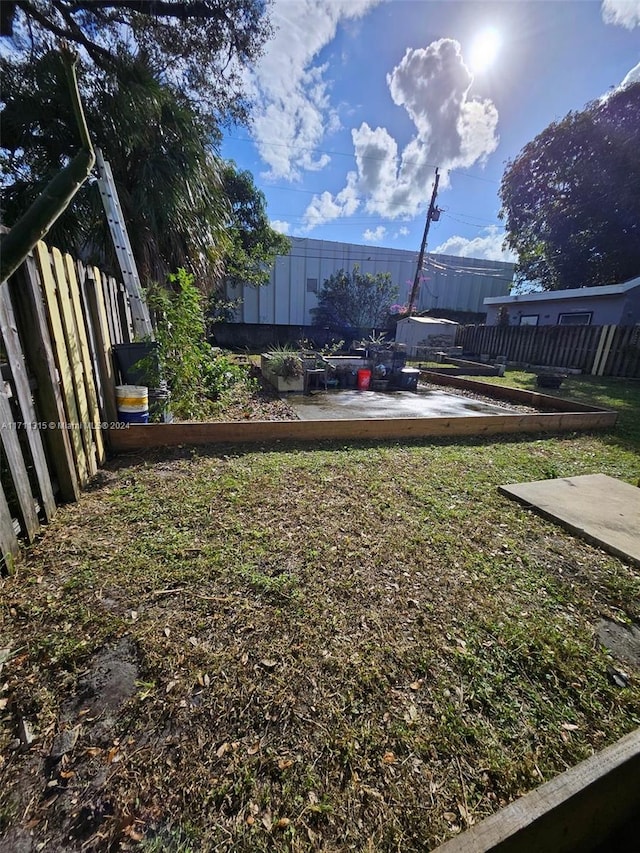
x,y
430,216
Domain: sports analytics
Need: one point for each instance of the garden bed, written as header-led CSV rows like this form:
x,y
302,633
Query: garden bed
x,y
546,414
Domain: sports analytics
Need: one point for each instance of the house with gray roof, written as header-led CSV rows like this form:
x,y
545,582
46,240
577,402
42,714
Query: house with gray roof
x,y
617,304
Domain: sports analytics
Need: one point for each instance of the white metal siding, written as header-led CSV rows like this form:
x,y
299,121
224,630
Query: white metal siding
x,y
459,284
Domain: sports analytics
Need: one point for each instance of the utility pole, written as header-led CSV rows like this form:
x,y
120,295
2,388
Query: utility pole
x,y
431,214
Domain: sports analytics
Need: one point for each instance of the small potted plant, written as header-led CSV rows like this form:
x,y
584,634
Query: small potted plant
x,y
283,368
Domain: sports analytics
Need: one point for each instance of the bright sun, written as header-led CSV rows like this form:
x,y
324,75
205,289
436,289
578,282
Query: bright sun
x,y
484,50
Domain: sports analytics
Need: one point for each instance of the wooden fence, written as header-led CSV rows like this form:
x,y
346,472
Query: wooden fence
x,y
58,321
599,350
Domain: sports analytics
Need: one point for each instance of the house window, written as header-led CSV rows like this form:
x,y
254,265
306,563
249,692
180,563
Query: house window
x,y
582,318
312,285
529,319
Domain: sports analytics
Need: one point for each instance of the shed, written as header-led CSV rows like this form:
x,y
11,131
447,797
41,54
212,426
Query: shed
x,y
424,336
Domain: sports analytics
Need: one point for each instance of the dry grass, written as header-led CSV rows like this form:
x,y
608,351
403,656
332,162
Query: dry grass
x,y
341,648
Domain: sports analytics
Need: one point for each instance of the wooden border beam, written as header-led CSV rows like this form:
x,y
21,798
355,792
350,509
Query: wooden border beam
x,y
576,812
141,436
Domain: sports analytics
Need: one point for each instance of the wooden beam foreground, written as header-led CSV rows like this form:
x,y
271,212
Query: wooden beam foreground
x,y
141,436
576,812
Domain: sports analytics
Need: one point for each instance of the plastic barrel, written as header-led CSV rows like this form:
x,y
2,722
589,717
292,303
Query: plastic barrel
x,y
364,380
132,402
409,379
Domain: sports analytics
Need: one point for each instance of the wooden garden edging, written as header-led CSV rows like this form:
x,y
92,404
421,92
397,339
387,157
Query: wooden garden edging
x,y
560,416
577,812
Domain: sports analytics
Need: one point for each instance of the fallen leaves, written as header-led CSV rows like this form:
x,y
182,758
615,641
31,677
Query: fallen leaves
x,y
411,715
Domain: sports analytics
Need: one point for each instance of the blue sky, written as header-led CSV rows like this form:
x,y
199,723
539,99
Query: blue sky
x,y
357,101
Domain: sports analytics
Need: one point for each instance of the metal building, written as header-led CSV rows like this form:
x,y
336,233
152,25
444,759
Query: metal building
x,y
455,284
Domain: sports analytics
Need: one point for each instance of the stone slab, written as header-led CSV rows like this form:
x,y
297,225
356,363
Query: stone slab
x,y
600,509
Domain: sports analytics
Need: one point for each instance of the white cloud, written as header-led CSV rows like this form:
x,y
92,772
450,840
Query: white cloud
x,y
488,247
624,13
325,207
293,111
374,236
401,232
633,76
281,226
452,130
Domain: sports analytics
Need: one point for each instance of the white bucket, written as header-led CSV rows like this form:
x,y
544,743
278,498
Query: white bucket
x,y
132,402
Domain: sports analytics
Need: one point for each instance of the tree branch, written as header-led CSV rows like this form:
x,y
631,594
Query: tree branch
x,y
198,9
74,34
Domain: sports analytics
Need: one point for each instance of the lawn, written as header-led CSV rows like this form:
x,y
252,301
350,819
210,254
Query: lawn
x,y
359,647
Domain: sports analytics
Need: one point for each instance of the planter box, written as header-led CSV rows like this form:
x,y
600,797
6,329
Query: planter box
x,y
286,385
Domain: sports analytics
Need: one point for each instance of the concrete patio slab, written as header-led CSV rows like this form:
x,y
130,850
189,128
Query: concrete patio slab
x,y
351,405
600,509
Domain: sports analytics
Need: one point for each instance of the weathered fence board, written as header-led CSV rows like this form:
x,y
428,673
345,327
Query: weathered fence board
x,y
13,348
29,303
600,350
58,322
71,339
100,324
62,358
94,419
13,451
8,538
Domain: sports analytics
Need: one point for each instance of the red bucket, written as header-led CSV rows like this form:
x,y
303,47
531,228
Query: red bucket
x,y
364,380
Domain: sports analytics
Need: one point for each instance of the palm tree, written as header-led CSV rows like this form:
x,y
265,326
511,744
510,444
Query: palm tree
x,y
161,153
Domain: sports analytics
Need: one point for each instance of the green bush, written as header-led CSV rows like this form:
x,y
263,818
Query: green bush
x,y
196,374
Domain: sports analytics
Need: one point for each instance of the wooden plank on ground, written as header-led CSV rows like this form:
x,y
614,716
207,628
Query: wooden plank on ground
x,y
15,459
28,302
545,402
8,538
577,812
13,348
94,418
100,324
62,358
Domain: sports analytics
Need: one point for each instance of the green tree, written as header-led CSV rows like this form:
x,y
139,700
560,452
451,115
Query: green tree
x,y
200,47
571,198
254,243
355,300
168,178
184,207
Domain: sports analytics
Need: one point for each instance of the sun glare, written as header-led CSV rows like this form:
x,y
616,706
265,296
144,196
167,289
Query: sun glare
x,y
484,49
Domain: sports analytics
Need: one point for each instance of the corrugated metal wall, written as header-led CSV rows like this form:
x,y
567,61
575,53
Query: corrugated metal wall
x,y
459,284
